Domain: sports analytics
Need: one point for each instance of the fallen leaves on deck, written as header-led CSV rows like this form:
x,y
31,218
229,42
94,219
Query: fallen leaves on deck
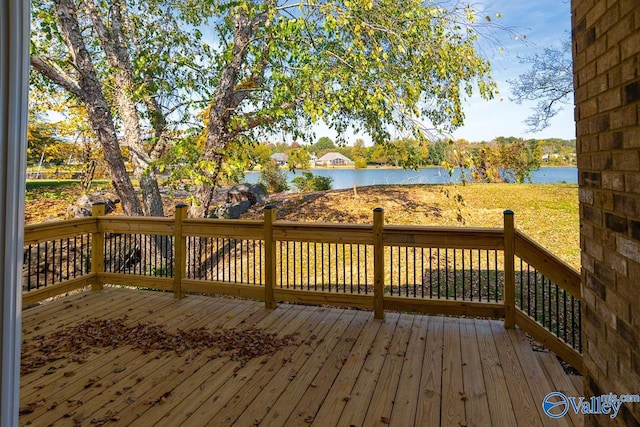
x,y
78,342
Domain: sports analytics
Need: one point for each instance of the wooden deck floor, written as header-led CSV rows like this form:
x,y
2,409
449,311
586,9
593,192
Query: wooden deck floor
x,y
348,370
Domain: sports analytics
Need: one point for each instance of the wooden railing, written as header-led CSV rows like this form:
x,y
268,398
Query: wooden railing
x,y
497,273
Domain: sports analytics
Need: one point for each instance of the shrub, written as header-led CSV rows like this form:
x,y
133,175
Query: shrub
x,y
311,182
273,178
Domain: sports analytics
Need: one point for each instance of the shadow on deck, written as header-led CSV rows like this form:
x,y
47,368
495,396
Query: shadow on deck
x,y
346,369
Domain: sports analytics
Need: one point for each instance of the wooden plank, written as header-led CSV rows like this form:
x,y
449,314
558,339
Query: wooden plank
x,y
444,237
578,382
323,298
148,383
72,313
282,375
475,390
406,400
341,390
109,371
509,272
548,264
223,288
378,263
205,388
97,248
213,399
153,282
281,408
561,381
453,397
430,392
37,295
500,406
356,408
190,377
387,386
270,280
308,382
38,313
309,405
55,230
314,326
180,252
524,406
533,374
283,325
136,225
323,233
550,341
227,228
442,306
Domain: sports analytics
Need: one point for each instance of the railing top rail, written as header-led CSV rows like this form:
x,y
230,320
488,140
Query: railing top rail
x,y
558,271
444,237
323,232
36,233
136,224
224,222
226,228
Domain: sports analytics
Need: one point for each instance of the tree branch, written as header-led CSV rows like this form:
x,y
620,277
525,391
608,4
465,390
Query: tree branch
x,y
57,75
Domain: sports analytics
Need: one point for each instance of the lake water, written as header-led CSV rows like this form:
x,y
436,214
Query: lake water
x,y
346,178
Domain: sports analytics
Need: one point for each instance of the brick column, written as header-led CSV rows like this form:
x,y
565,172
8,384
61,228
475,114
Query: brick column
x,y
606,49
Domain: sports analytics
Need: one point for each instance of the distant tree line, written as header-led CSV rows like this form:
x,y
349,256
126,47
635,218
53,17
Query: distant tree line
x,y
508,159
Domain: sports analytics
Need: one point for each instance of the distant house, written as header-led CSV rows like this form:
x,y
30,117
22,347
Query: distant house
x,y
333,159
281,159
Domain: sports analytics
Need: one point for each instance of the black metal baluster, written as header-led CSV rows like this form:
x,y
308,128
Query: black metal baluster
x,y
439,269
46,262
337,270
479,278
564,315
430,273
29,268
495,262
322,265
53,262
463,276
455,278
366,272
446,272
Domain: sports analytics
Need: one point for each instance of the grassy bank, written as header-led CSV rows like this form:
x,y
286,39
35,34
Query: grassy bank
x,y
546,212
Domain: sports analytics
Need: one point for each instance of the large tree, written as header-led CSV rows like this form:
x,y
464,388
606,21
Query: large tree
x,y
134,67
548,82
374,65
265,68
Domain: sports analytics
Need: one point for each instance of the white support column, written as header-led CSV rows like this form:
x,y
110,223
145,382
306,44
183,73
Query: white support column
x,y
14,76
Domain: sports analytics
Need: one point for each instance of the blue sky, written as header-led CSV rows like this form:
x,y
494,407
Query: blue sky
x,y
545,23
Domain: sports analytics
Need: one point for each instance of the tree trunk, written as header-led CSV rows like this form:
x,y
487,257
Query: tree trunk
x,y
224,104
113,42
89,90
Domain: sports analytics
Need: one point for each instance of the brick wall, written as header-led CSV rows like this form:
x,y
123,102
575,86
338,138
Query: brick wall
x,y
606,47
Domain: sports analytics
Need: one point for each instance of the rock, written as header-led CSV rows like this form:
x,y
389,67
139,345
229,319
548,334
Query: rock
x,y
231,210
251,192
83,206
239,199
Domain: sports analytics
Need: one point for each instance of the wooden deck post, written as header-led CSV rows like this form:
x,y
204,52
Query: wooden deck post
x,y
270,213
509,272
378,264
97,247
180,251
